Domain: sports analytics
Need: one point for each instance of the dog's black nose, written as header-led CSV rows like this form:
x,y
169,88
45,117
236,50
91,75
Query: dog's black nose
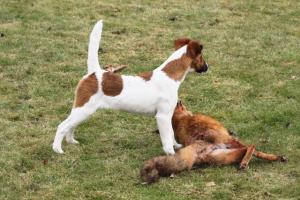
x,y
204,68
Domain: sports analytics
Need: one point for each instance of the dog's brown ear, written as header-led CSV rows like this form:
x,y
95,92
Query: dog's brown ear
x,y
194,48
181,42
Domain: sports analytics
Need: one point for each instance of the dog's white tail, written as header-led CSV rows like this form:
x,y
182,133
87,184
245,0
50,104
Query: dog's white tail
x,y
95,37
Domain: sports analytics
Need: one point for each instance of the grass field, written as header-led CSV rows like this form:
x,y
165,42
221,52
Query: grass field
x,y
252,86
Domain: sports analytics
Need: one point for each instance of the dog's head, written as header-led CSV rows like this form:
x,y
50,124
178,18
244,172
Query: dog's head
x,y
194,51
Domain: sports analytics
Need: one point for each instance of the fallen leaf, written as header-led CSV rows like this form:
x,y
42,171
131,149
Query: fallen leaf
x,y
173,18
210,184
118,32
45,161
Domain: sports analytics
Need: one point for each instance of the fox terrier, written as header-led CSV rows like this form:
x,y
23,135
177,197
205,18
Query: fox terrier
x,y
153,93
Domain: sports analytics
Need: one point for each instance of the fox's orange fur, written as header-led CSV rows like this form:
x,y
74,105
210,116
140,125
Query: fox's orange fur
x,y
206,141
189,128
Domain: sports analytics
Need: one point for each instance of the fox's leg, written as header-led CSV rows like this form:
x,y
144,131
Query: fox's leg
x,y
225,156
266,156
270,157
234,144
247,157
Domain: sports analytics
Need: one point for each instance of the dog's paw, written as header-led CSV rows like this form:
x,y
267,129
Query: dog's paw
x,y
71,140
74,141
169,150
177,146
57,149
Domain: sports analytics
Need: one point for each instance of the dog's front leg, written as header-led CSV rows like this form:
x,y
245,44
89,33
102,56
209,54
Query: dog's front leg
x,y
166,132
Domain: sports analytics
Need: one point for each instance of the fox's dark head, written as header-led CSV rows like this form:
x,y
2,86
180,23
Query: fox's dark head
x,y
149,173
180,109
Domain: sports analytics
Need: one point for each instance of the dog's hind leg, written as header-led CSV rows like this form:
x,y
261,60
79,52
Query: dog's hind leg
x,y
70,137
67,127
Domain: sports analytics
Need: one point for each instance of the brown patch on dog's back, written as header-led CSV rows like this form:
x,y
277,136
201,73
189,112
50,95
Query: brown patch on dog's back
x,y
176,69
112,84
86,88
146,75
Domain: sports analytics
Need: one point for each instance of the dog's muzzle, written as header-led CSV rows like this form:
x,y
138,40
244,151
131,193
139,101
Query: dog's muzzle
x,y
204,68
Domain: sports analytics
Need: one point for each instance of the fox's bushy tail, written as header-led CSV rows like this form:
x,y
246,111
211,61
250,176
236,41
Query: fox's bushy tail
x,y
95,37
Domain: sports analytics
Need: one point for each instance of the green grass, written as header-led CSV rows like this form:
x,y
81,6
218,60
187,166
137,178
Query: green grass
x,y
252,87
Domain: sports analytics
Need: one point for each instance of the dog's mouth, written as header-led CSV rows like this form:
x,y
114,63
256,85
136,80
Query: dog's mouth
x,y
203,69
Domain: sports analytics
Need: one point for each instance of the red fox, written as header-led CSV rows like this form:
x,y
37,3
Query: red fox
x,y
206,141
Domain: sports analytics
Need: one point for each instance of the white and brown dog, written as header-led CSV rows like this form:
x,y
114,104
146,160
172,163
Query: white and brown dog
x,y
154,93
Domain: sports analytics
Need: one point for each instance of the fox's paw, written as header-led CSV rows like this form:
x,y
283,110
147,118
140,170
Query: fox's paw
x,y
243,166
282,159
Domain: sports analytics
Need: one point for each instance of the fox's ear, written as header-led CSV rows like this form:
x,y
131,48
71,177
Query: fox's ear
x,y
181,42
179,103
